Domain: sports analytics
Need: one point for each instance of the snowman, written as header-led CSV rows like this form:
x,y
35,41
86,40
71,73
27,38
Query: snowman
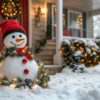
x,y
21,64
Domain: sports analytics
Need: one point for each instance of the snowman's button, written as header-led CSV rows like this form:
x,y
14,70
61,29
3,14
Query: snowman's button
x,y
26,71
24,61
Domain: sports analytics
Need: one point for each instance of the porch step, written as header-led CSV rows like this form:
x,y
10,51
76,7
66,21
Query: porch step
x,y
48,52
49,46
39,33
47,62
44,57
52,40
37,38
53,69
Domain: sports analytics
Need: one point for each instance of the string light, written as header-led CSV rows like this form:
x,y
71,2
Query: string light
x,y
35,87
12,86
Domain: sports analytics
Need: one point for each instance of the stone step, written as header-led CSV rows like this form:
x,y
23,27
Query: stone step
x,y
51,40
48,47
38,29
53,69
51,43
39,33
37,38
47,53
50,62
48,44
44,57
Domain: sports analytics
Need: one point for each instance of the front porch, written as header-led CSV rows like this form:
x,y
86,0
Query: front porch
x,y
49,22
48,28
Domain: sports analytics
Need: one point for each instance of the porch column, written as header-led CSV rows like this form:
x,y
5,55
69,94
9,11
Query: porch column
x,y
59,34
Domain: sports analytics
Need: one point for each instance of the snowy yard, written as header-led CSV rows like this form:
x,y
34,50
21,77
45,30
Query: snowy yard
x,y
63,86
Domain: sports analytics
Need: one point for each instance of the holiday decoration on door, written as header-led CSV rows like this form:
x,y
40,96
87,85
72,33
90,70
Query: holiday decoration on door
x,y
10,9
17,62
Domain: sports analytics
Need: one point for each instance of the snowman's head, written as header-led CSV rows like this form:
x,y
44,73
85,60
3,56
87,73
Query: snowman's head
x,y
16,39
13,34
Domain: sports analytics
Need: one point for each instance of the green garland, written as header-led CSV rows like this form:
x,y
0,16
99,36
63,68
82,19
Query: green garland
x,y
13,52
16,83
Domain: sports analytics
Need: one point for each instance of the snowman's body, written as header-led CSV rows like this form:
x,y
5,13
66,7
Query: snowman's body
x,y
14,35
13,67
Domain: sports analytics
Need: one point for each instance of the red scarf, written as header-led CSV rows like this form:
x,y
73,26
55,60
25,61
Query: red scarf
x,y
24,51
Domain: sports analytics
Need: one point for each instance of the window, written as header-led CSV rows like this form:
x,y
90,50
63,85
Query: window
x,y
75,23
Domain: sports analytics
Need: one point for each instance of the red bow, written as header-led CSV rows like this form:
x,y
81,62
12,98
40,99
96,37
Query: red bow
x,y
24,51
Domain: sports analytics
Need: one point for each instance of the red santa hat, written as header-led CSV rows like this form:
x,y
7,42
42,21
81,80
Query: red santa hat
x,y
10,26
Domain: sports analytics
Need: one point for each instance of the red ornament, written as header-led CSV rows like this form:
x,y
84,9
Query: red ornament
x,y
24,61
26,71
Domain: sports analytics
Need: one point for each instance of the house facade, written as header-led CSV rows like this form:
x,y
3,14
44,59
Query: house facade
x,y
48,22
56,20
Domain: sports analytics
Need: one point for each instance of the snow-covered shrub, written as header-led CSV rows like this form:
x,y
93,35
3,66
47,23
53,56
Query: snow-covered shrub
x,y
80,51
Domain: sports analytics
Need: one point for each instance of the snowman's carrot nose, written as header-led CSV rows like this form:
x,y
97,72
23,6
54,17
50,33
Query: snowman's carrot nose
x,y
19,40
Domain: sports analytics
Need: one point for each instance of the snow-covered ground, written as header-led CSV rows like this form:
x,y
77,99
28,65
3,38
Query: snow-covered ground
x,y
62,86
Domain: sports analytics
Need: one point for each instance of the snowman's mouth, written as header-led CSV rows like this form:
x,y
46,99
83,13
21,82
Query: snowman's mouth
x,y
17,45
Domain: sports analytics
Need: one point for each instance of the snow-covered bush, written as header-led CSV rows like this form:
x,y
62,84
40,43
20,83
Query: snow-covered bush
x,y
76,52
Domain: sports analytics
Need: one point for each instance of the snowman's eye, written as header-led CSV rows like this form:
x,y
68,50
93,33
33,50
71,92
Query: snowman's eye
x,y
13,36
20,35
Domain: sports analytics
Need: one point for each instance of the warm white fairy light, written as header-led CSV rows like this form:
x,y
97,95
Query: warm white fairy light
x,y
12,86
26,89
15,79
35,87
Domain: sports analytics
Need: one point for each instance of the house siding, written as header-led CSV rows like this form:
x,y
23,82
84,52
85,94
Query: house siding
x,y
89,24
38,29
